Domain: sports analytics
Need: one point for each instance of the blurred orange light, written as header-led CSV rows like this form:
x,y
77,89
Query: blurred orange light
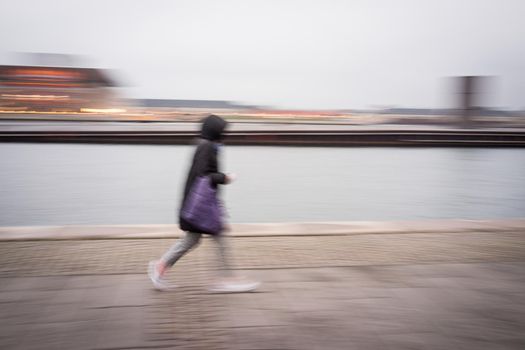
x,y
36,97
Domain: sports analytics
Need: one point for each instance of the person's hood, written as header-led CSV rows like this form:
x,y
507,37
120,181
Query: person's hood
x,y
213,127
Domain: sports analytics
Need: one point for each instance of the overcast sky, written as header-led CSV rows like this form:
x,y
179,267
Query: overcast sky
x,y
284,53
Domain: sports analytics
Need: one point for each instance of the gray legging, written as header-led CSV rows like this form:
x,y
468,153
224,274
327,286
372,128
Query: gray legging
x,y
191,240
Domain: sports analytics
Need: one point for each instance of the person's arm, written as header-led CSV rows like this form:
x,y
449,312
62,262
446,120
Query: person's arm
x,y
213,172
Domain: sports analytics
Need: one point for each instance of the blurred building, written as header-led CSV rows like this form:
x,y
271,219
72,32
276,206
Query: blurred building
x,y
193,105
54,88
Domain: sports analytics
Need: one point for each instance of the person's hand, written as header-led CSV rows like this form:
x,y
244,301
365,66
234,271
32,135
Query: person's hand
x,y
230,178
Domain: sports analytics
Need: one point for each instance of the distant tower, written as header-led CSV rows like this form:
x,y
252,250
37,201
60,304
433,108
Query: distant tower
x,y
468,86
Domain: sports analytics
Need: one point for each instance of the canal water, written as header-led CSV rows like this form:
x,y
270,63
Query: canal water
x,y
61,184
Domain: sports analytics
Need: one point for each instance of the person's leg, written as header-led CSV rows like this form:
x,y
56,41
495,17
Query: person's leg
x,y
229,282
222,255
177,251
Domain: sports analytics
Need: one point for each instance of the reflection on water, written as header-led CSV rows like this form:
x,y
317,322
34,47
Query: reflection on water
x,y
53,184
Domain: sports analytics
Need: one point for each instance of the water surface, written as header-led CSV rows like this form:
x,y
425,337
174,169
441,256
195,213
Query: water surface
x,y
60,184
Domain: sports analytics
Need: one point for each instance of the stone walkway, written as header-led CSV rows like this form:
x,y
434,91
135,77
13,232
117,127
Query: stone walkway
x,y
457,290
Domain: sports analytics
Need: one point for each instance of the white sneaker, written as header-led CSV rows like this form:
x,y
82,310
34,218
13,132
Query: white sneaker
x,y
234,287
156,279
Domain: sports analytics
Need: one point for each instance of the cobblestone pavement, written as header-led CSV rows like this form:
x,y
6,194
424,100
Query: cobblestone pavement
x,y
370,291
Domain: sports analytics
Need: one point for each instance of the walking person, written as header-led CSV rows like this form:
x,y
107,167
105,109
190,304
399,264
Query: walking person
x,y
200,212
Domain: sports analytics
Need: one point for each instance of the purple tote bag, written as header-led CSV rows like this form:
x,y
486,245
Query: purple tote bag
x,y
201,209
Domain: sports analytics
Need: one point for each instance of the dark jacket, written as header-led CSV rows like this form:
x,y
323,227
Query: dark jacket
x,y
205,161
